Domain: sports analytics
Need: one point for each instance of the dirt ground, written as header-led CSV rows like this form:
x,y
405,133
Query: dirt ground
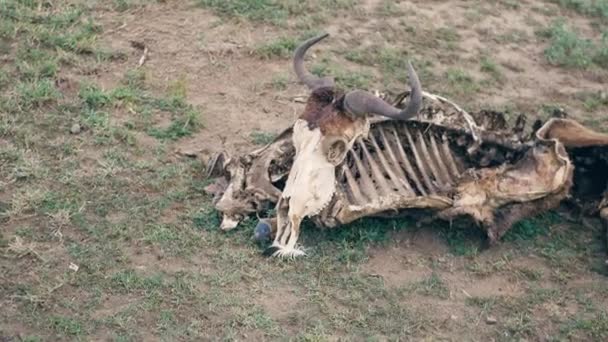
x,y
125,206
214,59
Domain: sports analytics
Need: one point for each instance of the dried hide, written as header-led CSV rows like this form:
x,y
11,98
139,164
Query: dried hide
x,y
405,165
247,184
447,161
339,163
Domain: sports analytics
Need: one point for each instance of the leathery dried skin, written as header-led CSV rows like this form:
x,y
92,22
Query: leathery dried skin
x,y
383,174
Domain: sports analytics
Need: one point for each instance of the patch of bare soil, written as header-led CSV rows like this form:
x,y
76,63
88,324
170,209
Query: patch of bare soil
x,y
213,58
279,302
150,260
405,261
110,305
495,285
12,332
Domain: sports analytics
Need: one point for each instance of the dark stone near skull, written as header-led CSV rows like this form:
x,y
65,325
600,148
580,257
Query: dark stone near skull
x,y
261,234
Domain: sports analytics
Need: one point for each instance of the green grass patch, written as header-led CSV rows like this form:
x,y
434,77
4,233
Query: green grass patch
x,y
125,5
593,100
432,286
349,243
258,10
531,228
592,8
129,281
93,97
41,39
67,325
344,78
206,218
463,240
185,122
388,8
262,138
490,67
568,49
281,47
32,339
595,326
185,118
279,82
34,95
460,82
391,62
275,11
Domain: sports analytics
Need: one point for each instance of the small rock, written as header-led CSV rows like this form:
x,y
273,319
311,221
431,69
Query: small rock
x,y
262,231
453,317
75,129
73,267
491,320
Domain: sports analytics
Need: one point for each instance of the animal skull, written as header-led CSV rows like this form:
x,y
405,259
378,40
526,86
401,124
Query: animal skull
x,y
322,136
340,165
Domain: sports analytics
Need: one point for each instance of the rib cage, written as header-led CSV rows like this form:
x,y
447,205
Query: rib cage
x,y
399,159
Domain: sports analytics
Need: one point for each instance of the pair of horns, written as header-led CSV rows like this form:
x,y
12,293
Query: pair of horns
x,y
360,102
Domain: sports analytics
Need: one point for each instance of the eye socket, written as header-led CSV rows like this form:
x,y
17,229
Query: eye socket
x,y
336,150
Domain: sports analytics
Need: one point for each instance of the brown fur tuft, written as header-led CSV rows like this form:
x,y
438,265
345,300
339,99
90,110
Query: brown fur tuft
x,y
325,110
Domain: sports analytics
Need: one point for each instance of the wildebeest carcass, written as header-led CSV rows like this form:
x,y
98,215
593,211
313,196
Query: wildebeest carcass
x,y
353,154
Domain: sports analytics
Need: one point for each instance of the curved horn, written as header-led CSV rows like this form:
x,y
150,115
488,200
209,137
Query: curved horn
x,y
313,82
359,102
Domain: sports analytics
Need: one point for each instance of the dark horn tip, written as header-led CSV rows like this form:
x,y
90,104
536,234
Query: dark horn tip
x,y
414,81
316,39
413,76
313,40
310,80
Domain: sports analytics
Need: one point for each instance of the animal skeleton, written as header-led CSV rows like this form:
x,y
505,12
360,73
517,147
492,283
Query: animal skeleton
x,y
338,164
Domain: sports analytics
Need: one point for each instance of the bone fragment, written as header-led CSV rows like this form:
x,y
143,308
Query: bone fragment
x,y
396,166
445,175
423,171
406,163
377,175
367,186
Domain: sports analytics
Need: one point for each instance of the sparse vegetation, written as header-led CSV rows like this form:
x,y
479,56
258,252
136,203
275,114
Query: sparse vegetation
x,y
346,79
281,47
593,100
568,49
490,67
279,82
262,138
460,82
594,8
463,240
260,10
389,8
107,233
392,63
433,286
274,11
